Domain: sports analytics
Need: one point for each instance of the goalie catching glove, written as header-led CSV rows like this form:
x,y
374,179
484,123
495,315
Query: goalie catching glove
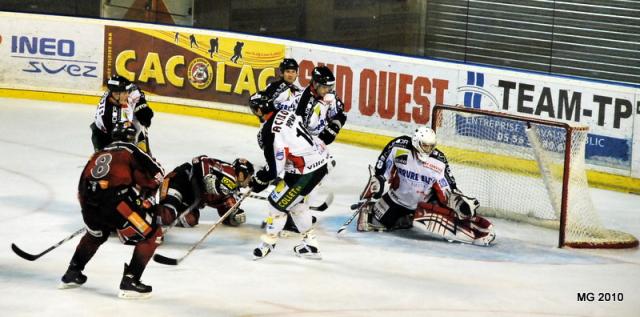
x,y
464,206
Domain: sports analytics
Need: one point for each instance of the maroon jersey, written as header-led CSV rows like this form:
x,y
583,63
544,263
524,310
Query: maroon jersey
x,y
224,175
121,165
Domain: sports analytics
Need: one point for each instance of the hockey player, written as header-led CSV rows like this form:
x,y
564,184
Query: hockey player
x,y
123,101
113,191
284,91
322,112
300,160
209,181
422,192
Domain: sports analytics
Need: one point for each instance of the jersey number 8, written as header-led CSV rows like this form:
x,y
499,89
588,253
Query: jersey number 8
x,y
102,166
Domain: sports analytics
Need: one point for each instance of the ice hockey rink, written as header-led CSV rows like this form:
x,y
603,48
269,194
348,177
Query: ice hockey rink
x,y
44,145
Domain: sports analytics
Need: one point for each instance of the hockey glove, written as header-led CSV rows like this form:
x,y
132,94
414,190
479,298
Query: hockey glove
x,y
463,205
374,188
257,185
328,135
144,114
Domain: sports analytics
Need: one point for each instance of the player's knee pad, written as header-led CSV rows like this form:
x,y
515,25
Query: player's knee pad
x,y
301,216
275,221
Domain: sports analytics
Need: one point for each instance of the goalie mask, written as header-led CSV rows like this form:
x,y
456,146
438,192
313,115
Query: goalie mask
x,y
424,141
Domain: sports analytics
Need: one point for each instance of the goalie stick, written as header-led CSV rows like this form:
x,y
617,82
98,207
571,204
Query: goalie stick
x,y
33,257
322,207
359,205
173,261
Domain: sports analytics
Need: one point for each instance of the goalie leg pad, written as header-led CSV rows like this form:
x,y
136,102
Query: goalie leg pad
x,y
441,222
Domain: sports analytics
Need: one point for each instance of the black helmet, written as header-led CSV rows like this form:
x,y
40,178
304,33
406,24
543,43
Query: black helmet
x,y
288,63
323,75
118,83
123,131
244,166
260,101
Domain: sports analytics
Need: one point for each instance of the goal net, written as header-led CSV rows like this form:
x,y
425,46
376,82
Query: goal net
x,y
525,169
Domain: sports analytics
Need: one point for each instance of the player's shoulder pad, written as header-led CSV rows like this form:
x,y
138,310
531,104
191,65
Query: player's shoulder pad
x,y
439,155
402,142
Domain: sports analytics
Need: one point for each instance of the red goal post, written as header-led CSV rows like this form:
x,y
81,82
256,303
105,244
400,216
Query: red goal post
x,y
525,169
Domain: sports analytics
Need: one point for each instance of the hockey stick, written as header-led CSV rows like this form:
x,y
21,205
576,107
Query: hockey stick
x,y
322,207
33,257
357,206
173,261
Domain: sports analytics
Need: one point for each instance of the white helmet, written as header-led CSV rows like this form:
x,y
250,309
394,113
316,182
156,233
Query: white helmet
x,y
424,141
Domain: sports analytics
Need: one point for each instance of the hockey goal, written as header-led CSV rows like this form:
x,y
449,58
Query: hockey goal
x,y
525,169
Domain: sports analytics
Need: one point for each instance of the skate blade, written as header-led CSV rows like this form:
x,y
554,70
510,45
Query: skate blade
x,y
311,256
64,285
133,295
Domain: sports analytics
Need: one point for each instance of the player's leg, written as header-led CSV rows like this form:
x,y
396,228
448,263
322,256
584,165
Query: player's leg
x,y
136,227
176,194
97,233
384,215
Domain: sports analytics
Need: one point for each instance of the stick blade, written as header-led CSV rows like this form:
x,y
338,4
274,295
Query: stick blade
x,y
22,254
165,260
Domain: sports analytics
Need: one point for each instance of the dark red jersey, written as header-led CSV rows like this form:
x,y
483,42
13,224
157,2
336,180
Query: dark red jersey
x,y
121,165
224,175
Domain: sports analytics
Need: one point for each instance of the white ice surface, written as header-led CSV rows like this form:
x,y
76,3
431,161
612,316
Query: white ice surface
x,y
44,145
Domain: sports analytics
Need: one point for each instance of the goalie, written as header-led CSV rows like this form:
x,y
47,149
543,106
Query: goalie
x,y
422,193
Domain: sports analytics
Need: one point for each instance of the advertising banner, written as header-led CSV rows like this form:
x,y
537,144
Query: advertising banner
x,y
50,54
396,93
207,67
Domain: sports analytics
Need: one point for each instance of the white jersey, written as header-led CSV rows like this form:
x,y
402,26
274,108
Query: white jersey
x,y
288,146
109,113
413,181
315,112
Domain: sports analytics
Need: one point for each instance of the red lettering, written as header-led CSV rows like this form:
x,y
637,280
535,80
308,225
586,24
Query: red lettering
x,y
440,85
304,72
367,95
421,114
385,106
403,97
344,85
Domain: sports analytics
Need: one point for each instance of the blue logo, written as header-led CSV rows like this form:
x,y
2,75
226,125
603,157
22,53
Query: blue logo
x,y
51,56
474,91
279,155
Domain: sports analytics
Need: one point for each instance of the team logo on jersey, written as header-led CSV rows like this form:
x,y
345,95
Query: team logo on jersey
x,y
226,181
279,155
200,73
443,182
433,167
401,157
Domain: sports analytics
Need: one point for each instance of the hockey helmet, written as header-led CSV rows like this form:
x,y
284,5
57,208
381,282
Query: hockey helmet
x,y
124,131
424,141
260,101
323,76
241,165
288,63
118,83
